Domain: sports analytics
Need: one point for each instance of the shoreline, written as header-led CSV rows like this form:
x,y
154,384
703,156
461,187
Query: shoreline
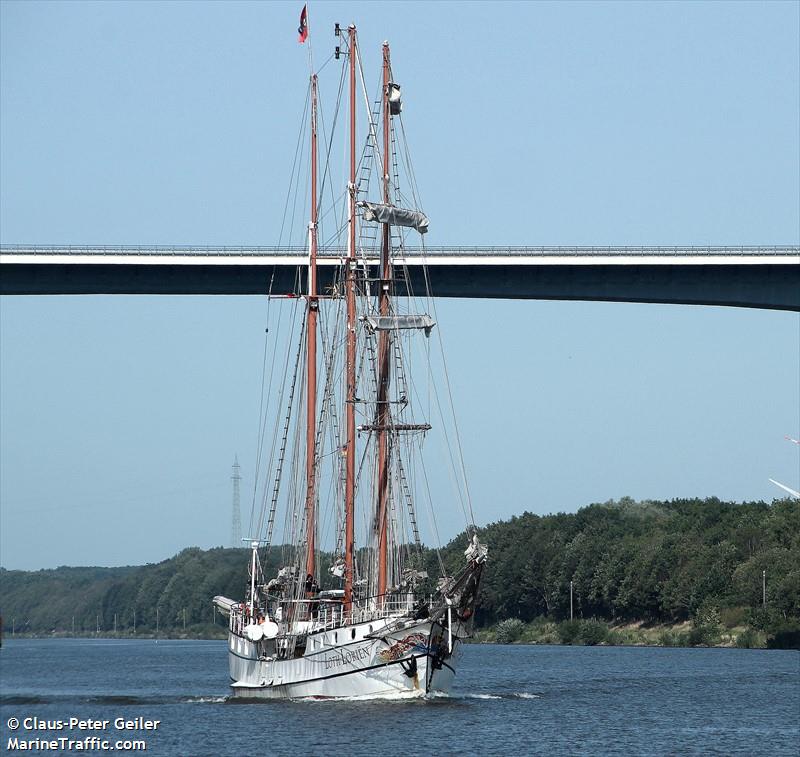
x,y
638,634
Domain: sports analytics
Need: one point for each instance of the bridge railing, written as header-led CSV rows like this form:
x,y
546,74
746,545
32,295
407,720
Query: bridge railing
x,y
428,251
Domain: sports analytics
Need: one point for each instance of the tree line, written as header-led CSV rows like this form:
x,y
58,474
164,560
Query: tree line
x,y
646,561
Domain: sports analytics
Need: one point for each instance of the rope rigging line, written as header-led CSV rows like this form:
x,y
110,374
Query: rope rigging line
x,y
261,420
326,171
294,180
431,307
283,443
262,415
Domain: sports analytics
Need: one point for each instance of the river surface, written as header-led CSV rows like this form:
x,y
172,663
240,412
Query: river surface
x,y
508,700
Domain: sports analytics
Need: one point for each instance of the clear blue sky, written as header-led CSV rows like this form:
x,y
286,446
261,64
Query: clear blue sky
x,y
557,123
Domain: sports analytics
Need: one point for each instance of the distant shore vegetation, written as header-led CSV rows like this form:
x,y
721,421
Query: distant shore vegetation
x,y
685,572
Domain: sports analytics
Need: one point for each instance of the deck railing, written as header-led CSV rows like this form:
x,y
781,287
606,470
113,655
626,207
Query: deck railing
x,y
324,615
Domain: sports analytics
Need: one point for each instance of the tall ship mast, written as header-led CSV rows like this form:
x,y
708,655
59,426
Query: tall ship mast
x,y
348,603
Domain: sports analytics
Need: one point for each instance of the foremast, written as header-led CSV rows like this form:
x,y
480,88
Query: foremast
x,y
384,376
383,419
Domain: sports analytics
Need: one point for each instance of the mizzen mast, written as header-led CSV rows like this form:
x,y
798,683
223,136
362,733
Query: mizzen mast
x,y
312,306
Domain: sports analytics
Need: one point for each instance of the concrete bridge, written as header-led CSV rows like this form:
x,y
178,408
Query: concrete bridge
x,y
754,276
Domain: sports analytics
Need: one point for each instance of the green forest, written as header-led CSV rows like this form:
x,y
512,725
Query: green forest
x,y
701,561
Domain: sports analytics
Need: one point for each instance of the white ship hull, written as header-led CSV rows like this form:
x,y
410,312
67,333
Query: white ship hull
x,y
358,661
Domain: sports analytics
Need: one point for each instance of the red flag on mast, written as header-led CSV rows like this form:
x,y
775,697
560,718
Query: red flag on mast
x,y
303,28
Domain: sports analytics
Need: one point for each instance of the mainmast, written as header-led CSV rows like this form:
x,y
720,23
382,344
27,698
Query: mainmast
x,y
350,358
312,306
383,419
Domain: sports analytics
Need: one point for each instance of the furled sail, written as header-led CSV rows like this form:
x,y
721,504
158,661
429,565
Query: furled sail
x,y
395,103
379,213
224,605
396,322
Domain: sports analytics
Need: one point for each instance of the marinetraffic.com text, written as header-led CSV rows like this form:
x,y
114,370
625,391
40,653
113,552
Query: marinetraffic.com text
x,y
78,734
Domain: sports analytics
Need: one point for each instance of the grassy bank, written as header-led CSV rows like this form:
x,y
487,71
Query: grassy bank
x,y
707,631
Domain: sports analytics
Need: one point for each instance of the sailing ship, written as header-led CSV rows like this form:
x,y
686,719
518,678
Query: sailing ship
x,y
366,618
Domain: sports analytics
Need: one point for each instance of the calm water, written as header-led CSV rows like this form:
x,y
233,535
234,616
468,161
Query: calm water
x,y
508,700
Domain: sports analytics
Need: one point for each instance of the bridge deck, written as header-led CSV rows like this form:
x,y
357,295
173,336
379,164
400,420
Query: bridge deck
x,y
749,276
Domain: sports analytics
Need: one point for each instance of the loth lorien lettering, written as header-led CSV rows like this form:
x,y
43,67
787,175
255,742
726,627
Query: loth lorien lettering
x,y
346,657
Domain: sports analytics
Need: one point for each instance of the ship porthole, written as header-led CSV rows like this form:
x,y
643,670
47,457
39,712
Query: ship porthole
x,y
336,638
370,629
353,634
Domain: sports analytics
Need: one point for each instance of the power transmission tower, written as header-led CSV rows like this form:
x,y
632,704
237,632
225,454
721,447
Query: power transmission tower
x,y
236,515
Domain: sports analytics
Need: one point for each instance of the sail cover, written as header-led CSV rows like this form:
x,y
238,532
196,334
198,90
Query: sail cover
x,y
395,322
395,216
